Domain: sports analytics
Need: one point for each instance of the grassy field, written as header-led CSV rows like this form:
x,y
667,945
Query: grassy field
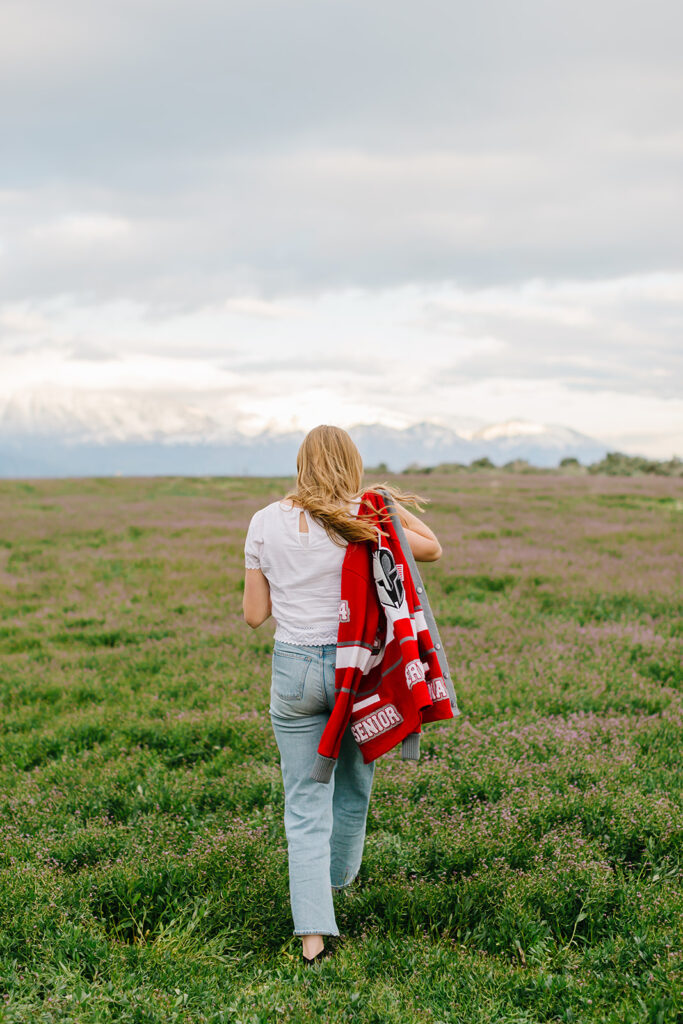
x,y
527,869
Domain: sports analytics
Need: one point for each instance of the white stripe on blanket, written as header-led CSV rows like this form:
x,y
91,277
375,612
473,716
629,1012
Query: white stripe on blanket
x,y
420,621
357,657
359,705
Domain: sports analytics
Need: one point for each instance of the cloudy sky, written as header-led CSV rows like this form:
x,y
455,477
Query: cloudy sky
x,y
311,210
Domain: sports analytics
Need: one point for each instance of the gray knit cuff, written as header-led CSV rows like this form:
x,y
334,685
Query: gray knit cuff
x,y
323,768
410,748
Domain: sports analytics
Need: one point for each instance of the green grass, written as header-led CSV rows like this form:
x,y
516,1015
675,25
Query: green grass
x,y
526,869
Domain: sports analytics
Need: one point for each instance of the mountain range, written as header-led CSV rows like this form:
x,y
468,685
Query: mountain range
x,y
54,433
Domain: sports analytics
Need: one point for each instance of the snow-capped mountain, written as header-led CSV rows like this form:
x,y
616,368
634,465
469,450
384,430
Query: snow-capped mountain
x,y
91,416
55,432
511,428
539,443
427,445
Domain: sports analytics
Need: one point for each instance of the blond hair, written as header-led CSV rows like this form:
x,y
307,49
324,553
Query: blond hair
x,y
329,478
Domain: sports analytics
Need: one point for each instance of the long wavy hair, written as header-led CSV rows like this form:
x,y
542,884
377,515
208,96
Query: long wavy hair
x,y
330,477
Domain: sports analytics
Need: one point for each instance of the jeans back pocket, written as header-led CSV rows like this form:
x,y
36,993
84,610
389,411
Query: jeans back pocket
x,y
289,674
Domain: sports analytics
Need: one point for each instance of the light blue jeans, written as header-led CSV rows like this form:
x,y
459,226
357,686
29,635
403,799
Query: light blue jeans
x,y
324,822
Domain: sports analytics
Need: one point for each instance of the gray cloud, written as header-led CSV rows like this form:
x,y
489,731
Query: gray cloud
x,y
618,335
300,146
228,76
312,220
521,164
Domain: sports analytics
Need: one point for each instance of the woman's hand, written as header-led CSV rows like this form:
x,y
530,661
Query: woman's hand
x,y
423,543
256,601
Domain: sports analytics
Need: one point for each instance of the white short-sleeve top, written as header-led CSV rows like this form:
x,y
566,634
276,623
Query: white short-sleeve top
x,y
303,571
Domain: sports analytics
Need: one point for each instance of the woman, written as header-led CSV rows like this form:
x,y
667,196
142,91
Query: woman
x,y
293,555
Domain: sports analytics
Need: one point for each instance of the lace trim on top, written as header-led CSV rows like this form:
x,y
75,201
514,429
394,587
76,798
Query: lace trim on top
x,y
306,638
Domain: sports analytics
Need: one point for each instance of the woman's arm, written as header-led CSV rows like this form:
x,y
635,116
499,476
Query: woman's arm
x,y
423,543
256,601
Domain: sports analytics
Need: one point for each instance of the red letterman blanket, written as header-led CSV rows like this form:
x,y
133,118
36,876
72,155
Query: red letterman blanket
x,y
387,680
